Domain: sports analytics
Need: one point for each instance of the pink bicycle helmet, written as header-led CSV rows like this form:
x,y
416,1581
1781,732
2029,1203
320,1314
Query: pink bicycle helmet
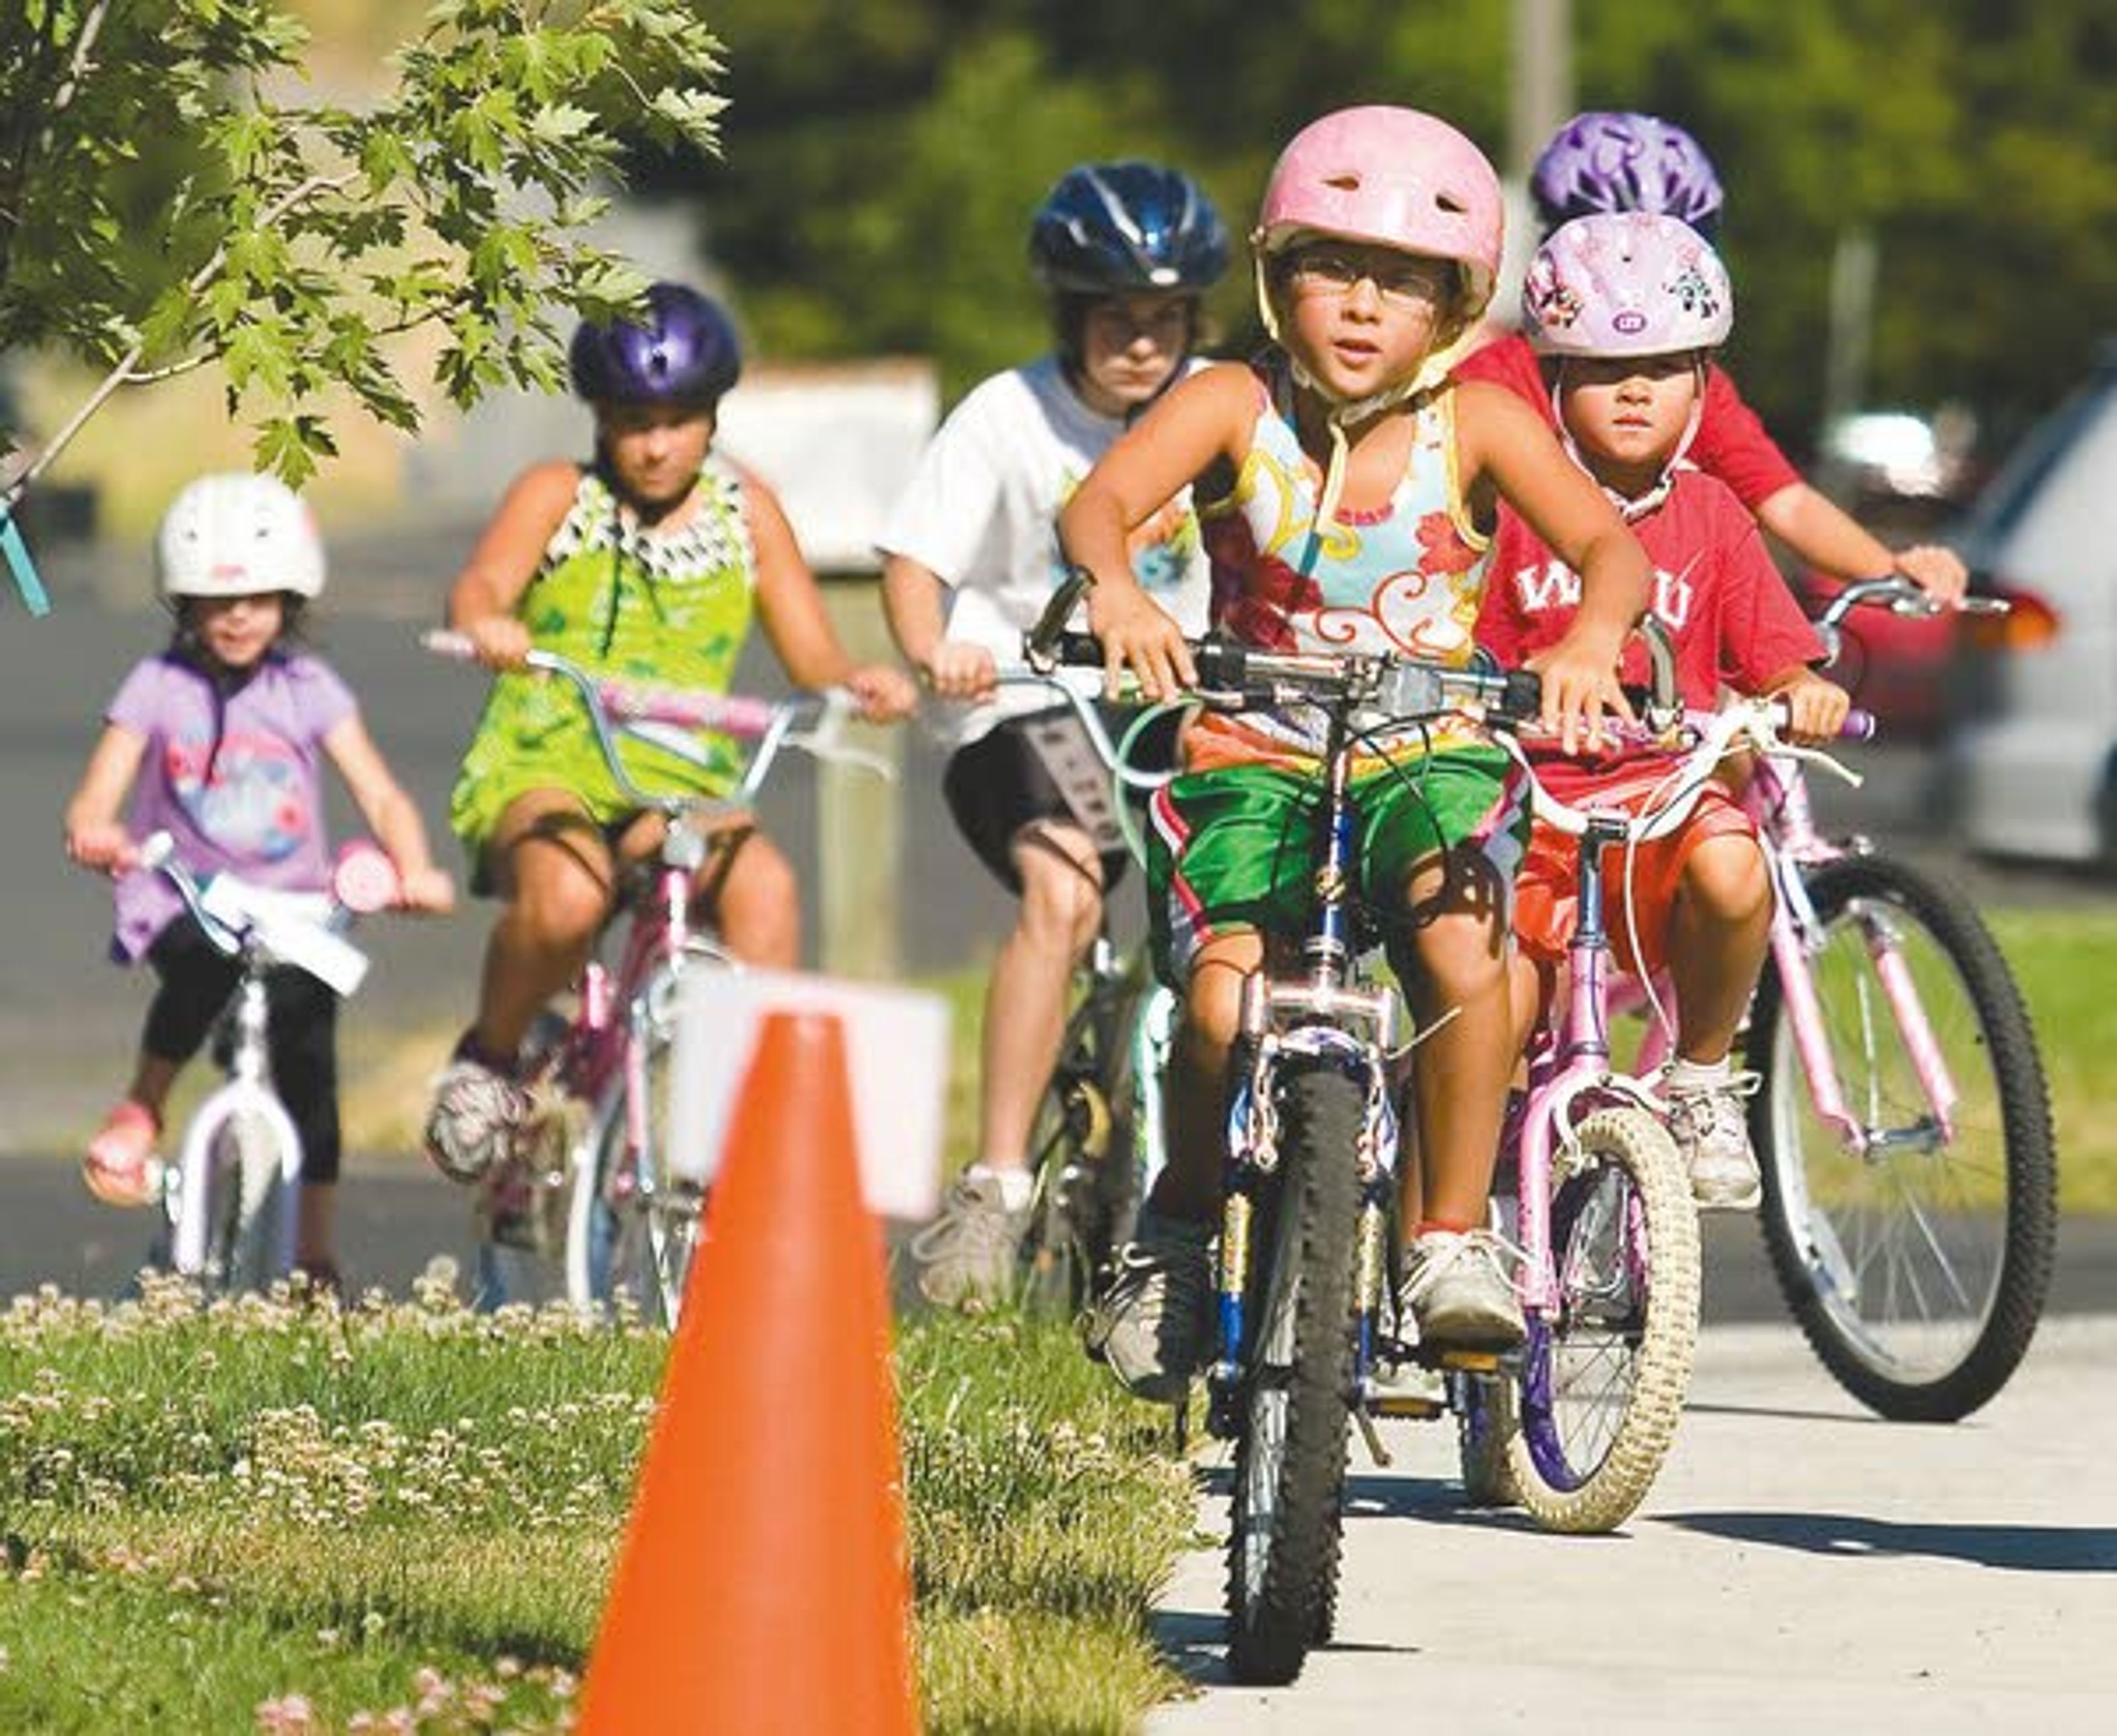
x,y
1393,177
1626,284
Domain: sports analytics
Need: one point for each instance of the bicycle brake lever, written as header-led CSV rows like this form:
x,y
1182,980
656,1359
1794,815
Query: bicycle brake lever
x,y
825,739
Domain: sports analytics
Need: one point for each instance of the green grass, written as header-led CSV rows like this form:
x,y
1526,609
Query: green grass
x,y
2066,962
208,1512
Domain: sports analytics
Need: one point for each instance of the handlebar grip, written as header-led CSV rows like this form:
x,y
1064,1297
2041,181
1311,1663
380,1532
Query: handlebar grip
x,y
1859,726
447,642
1523,697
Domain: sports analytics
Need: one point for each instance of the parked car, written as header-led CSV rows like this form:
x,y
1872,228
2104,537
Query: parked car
x,y
2029,769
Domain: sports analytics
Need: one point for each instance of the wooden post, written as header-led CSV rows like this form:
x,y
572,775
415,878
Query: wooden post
x,y
860,841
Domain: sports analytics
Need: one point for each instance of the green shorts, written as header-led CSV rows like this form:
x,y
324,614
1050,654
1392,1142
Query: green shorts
x,y
1230,849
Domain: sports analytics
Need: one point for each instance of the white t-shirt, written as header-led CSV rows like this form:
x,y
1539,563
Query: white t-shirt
x,y
980,513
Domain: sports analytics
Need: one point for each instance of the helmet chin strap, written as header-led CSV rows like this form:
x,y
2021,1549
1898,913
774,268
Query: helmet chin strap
x,y
1631,508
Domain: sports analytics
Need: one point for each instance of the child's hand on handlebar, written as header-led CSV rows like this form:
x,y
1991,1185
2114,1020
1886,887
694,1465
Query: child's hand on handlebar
x,y
1139,636
429,890
499,641
1938,572
955,669
1815,708
883,692
1580,690
106,847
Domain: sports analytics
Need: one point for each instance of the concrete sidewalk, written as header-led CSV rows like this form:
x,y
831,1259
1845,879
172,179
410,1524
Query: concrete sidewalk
x,y
1798,1564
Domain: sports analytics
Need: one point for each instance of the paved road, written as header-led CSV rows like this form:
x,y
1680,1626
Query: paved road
x,y
1798,1566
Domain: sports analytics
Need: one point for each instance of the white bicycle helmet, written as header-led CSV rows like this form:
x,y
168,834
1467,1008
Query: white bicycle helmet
x,y
235,534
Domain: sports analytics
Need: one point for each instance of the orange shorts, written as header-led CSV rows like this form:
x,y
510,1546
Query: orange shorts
x,y
1547,893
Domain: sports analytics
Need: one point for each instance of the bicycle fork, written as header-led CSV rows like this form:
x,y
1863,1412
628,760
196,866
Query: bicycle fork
x,y
1797,937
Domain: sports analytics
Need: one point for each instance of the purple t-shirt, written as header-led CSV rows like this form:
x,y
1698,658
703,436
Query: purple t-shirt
x,y
236,781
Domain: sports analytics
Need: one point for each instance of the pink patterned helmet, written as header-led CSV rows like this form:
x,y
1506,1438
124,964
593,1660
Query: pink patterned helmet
x,y
1626,284
1395,177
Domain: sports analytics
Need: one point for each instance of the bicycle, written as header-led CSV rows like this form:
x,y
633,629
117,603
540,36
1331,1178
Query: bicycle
x,y
594,1178
229,1201
1902,1124
1305,1248
1577,1435
1095,1144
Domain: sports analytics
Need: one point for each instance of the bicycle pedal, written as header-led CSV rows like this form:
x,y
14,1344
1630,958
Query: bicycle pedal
x,y
1406,1407
1471,1362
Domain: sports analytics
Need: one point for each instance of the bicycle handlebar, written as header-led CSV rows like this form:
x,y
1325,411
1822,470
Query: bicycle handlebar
x,y
1898,594
238,917
772,725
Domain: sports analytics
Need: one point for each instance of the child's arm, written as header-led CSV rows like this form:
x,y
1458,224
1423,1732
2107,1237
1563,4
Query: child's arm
x,y
389,815
96,837
1815,708
791,604
482,601
912,603
1201,419
1825,536
1507,447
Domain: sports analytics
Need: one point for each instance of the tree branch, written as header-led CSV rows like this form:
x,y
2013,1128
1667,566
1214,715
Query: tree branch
x,y
123,374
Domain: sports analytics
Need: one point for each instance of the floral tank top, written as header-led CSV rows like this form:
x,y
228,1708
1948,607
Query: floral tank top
x,y
634,604
1407,577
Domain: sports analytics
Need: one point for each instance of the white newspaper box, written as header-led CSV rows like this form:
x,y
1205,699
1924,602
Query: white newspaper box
x,y
897,1064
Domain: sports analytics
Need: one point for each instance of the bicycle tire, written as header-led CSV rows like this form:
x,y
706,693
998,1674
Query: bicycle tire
x,y
1872,1301
643,1225
1074,1131
245,1224
1485,1422
1603,1381
1295,1404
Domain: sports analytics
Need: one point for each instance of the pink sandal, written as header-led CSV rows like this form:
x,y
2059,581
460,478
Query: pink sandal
x,y
120,1168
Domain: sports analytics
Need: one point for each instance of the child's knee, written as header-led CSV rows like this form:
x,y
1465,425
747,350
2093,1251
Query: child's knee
x,y
1726,878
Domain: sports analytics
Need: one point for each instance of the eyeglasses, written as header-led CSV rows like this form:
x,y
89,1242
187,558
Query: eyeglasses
x,y
1399,281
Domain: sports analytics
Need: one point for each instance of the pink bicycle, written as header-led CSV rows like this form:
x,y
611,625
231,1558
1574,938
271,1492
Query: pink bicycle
x,y
595,1180
1902,1121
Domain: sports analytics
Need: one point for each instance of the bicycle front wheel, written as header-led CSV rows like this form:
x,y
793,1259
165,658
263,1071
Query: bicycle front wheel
x,y
1914,1246
635,1223
241,1238
1604,1377
1295,1406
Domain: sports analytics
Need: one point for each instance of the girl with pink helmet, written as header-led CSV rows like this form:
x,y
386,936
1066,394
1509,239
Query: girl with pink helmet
x,y
1349,490
1625,311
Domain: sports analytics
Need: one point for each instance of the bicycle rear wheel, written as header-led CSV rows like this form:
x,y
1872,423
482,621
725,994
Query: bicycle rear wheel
x,y
1916,1256
642,1222
1604,1380
1295,1404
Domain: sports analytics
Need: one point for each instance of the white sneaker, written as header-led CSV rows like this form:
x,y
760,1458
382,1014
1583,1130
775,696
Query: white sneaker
x,y
1711,1130
1457,1287
476,1114
967,1256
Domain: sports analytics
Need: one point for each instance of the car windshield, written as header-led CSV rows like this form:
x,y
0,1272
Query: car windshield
x,y
2021,478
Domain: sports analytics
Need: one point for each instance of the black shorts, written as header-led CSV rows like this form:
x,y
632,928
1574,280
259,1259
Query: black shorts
x,y
999,783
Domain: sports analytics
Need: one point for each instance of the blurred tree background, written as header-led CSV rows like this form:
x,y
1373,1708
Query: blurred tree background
x,y
882,158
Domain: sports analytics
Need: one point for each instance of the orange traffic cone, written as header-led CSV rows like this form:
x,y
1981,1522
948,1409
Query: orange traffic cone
x,y
763,1584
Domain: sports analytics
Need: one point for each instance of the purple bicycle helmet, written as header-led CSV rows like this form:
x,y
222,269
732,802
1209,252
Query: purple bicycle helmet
x,y
1626,284
1605,161
684,352
1116,228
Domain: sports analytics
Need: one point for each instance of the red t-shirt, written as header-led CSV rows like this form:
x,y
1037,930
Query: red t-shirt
x,y
1730,615
1731,443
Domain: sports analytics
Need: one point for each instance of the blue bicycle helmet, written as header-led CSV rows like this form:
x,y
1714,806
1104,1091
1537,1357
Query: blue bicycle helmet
x,y
684,352
1115,229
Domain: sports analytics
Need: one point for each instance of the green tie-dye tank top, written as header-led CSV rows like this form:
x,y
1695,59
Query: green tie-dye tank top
x,y
630,603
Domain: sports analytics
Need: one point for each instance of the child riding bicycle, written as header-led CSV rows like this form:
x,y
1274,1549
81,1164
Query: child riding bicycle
x,y
1604,162
1126,249
646,564
216,740
1349,490
1625,312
